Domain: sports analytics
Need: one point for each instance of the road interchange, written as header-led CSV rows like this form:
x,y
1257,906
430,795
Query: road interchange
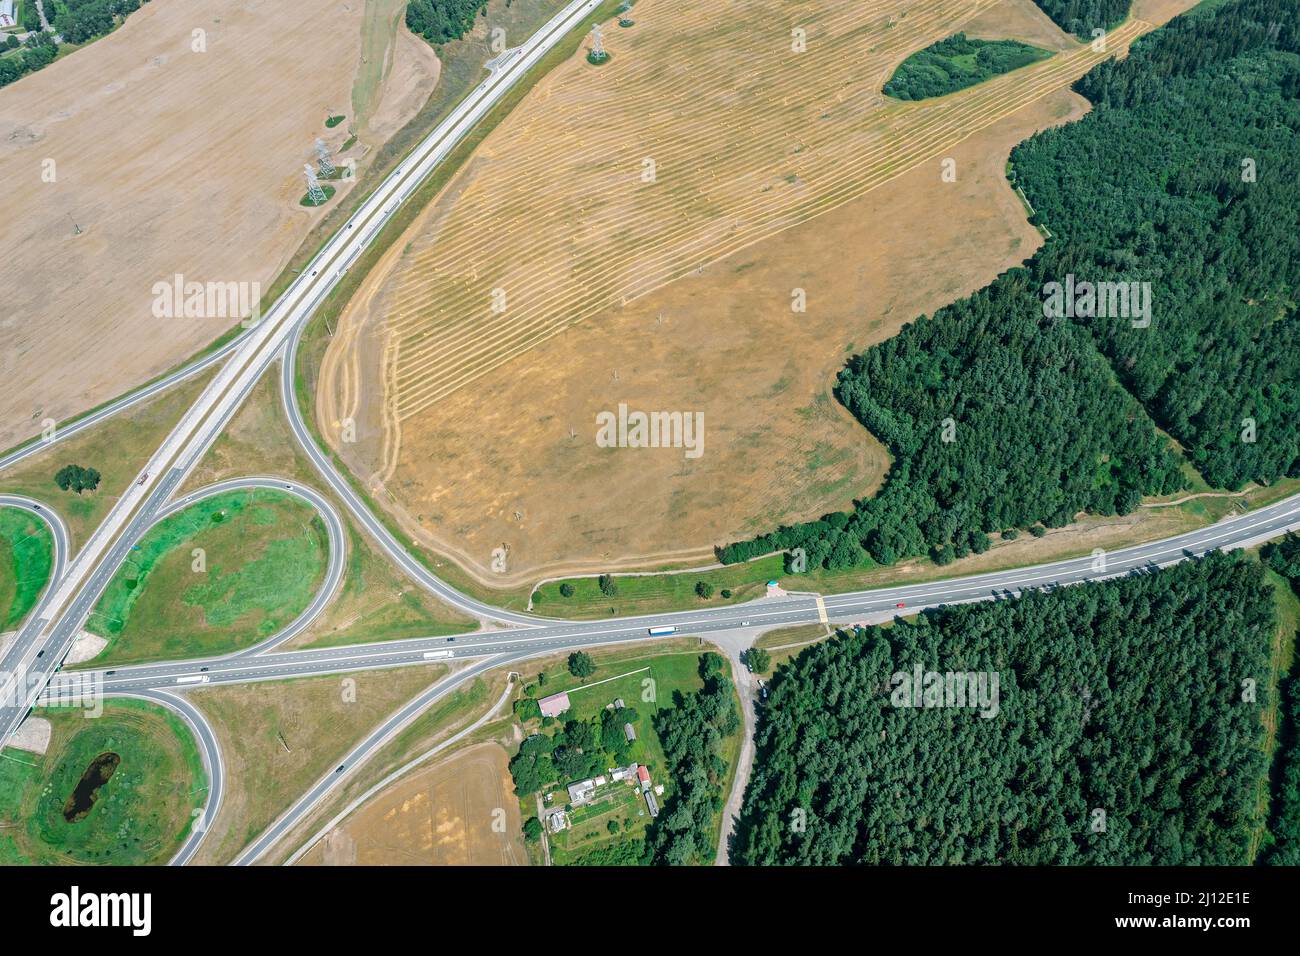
x,y
77,583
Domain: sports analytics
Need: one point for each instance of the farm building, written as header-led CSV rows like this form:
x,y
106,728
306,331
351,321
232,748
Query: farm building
x,y
554,705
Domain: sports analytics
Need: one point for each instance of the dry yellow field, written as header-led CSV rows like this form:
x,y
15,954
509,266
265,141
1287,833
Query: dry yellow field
x,y
168,160
457,812
676,293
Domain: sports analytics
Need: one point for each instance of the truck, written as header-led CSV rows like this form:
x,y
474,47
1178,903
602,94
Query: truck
x,y
193,679
663,629
430,655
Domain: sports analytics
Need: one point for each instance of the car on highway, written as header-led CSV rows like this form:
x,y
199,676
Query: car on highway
x,y
143,478
900,604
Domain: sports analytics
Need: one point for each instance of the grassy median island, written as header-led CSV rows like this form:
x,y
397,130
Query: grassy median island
x,y
633,594
263,556
956,63
120,789
26,559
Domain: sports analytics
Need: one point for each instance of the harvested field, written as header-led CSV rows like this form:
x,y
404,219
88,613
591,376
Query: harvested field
x,y
765,171
165,161
279,737
441,815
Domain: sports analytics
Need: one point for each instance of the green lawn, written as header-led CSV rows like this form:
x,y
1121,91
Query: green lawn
x,y
140,815
118,448
645,683
378,603
26,560
265,554
653,593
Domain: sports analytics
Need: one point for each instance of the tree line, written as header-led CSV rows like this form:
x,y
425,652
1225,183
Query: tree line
x,y
441,21
1282,847
1128,731
75,21
955,63
1000,415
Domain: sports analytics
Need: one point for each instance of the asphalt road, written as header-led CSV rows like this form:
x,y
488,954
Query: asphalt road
x,y
76,591
104,412
335,542
762,614
14,683
209,751
51,629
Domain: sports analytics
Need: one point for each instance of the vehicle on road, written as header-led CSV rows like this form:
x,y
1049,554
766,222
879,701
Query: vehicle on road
x,y
193,679
663,629
900,604
430,655
142,479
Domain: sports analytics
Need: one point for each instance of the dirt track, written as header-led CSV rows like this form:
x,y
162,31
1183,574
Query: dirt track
x,y
168,161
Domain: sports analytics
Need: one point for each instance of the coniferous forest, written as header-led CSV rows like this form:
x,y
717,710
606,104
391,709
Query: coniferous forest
x,y
1125,732
1186,176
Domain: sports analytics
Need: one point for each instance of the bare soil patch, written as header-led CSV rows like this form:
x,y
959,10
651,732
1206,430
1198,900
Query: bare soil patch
x,y
165,161
517,466
441,815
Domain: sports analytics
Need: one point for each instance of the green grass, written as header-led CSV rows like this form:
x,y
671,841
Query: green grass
x,y
26,561
141,814
306,199
650,593
647,684
333,121
378,603
119,448
265,554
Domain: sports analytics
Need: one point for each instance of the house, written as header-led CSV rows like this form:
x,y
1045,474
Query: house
x,y
558,821
622,773
580,792
618,703
643,776
554,705
629,732
651,803
601,781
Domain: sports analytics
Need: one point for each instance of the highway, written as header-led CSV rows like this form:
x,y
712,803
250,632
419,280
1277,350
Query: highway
x,y
336,543
209,751
762,614
79,587
46,637
14,684
106,411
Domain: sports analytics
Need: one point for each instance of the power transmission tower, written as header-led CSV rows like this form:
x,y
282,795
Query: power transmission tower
x,y
314,191
323,158
597,43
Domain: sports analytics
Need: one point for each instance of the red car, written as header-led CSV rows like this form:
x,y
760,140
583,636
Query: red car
x,y
900,604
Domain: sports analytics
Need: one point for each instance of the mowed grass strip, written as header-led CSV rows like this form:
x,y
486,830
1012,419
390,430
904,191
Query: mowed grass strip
x,y
26,560
139,816
654,593
263,556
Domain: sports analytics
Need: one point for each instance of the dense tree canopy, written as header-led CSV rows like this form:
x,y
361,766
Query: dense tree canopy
x,y
1081,17
440,21
1001,414
1124,697
956,63
692,732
